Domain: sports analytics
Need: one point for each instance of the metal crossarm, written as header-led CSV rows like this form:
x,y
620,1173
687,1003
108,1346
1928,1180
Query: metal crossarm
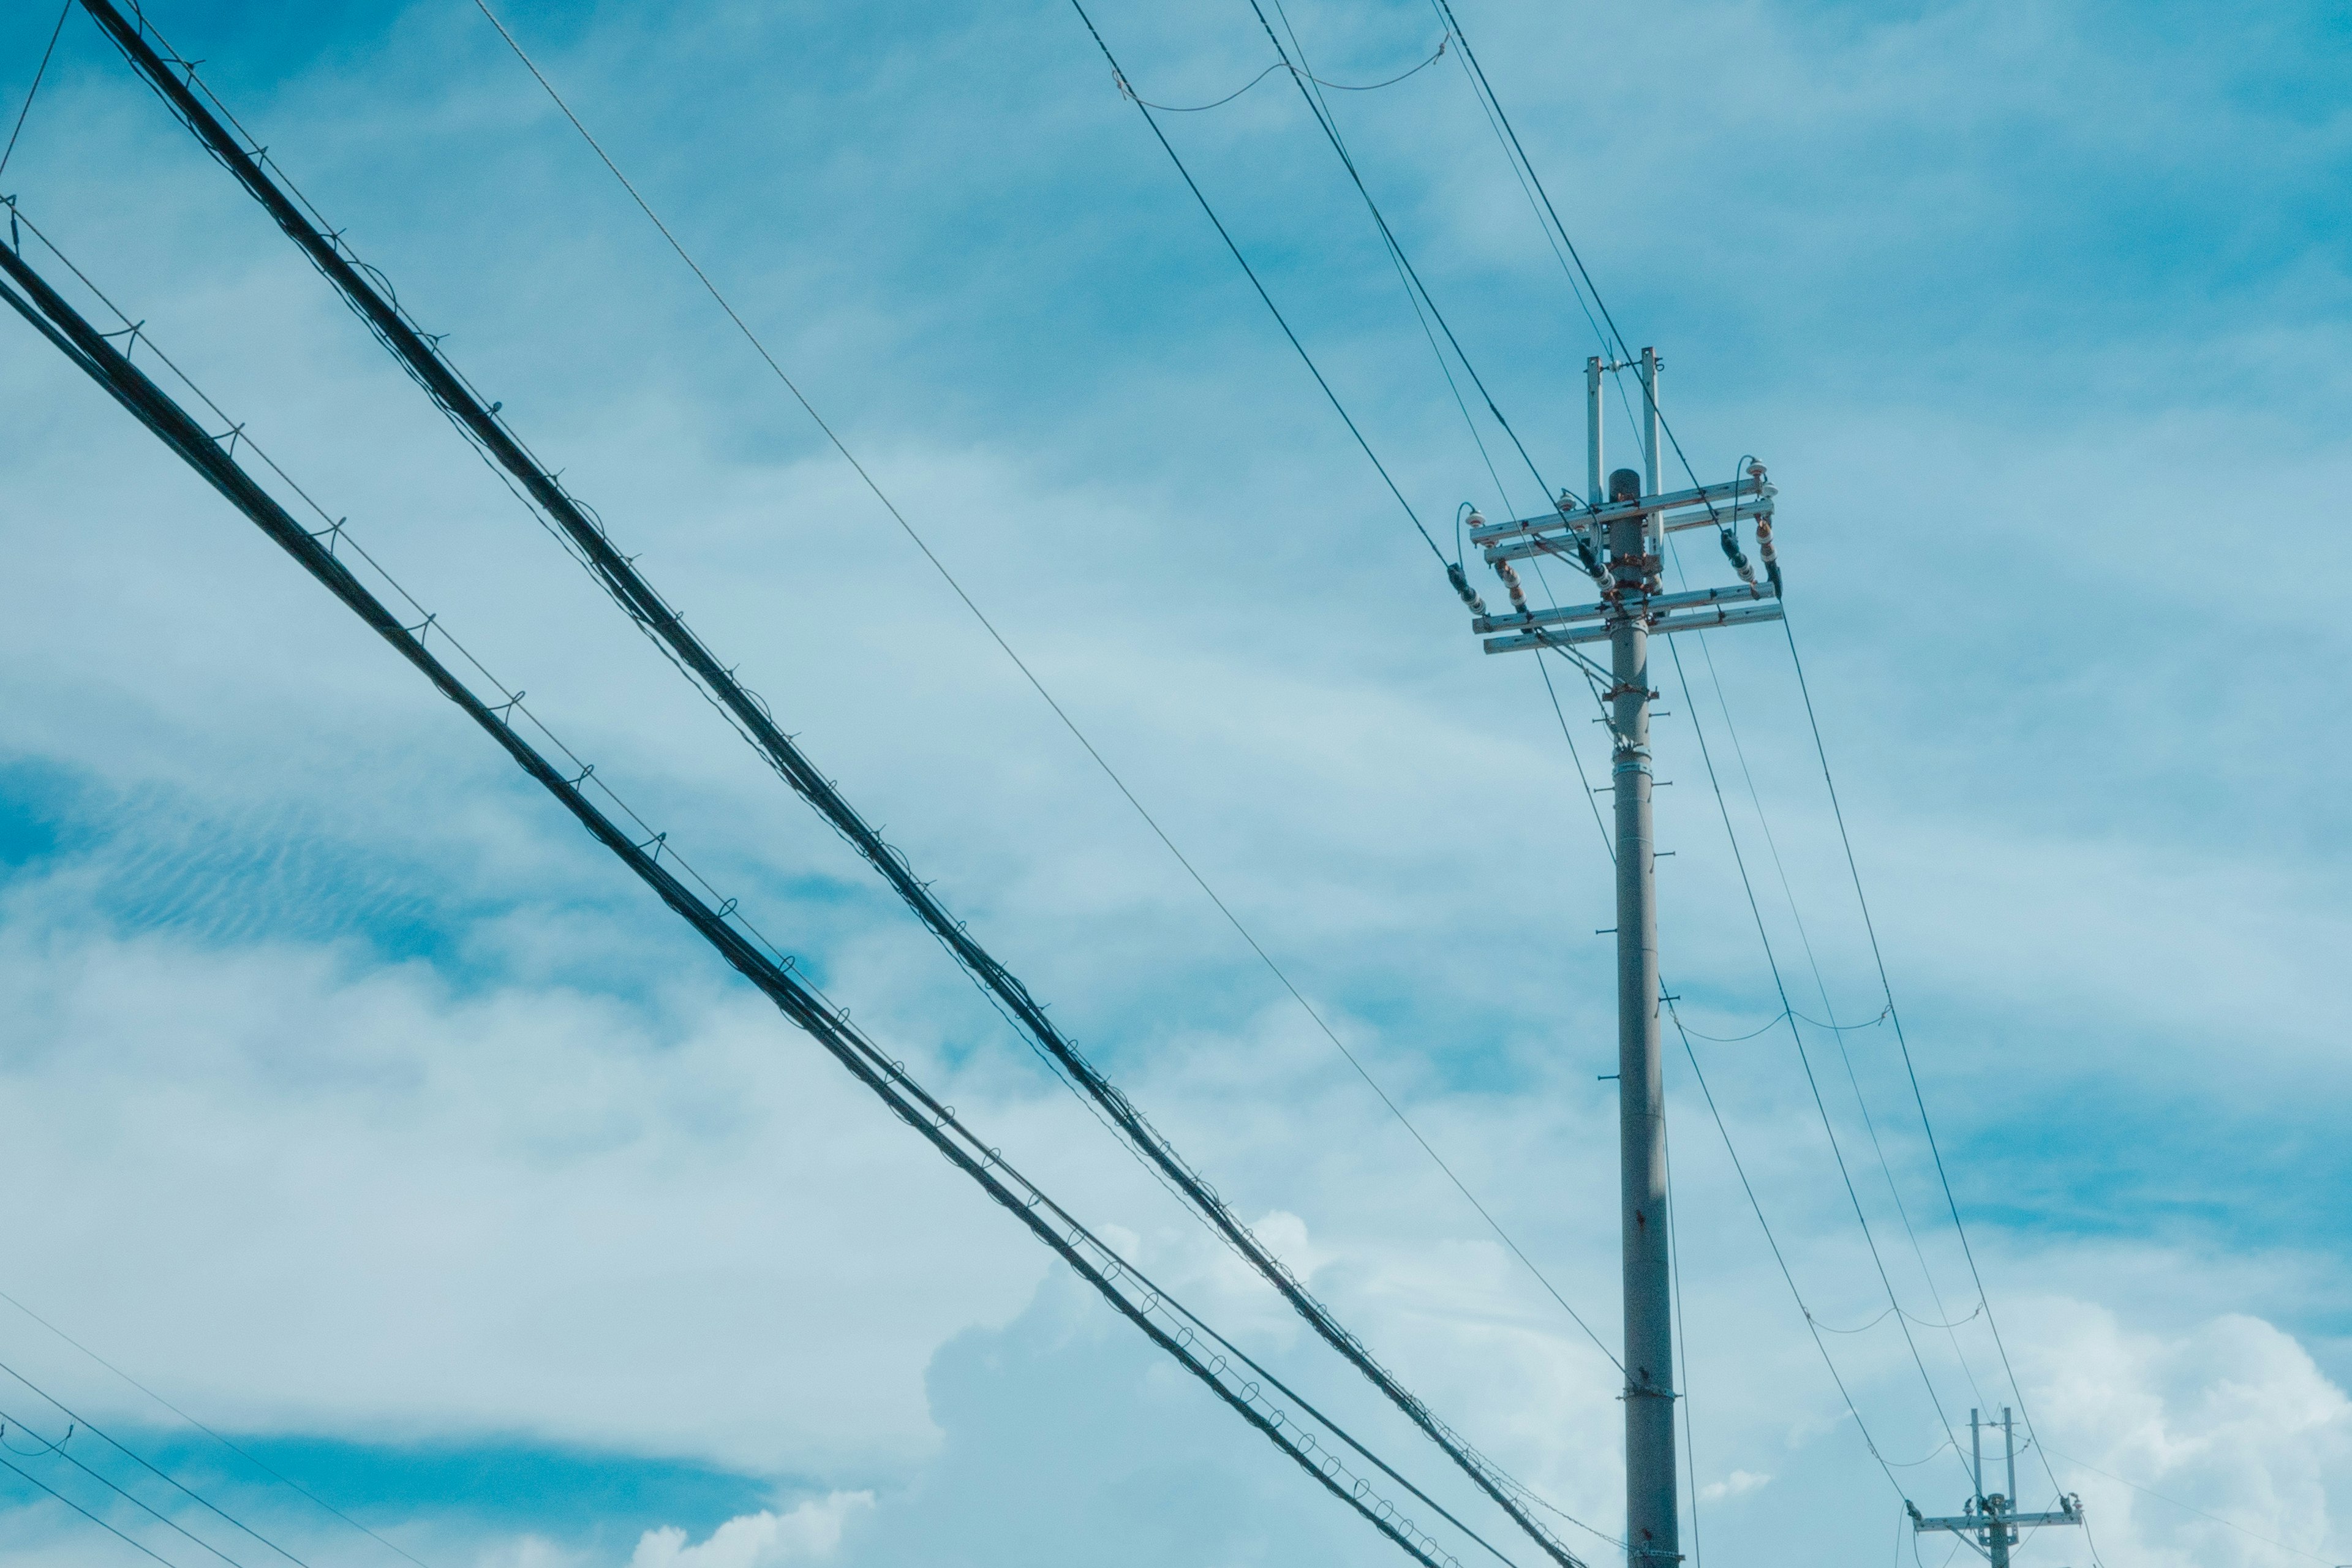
x,y
1713,503
1729,615
1653,604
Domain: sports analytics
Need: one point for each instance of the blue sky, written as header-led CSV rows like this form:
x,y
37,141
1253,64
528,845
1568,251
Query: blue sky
x,y
374,1119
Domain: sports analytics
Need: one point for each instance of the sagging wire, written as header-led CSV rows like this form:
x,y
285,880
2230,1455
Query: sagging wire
x,y
1285,64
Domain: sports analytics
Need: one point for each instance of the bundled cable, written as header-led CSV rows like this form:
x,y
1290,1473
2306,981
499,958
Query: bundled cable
x,y
1169,1325
363,290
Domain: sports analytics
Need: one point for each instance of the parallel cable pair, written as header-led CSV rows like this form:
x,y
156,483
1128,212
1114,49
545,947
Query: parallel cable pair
x,y
1124,1287
644,606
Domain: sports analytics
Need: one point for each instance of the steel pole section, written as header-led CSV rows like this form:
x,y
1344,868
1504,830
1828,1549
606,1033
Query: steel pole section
x,y
1651,1533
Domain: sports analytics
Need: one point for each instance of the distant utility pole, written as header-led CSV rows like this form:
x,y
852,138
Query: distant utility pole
x,y
1618,539
1989,1523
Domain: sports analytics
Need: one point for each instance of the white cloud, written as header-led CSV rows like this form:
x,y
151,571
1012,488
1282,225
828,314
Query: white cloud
x,y
1732,1485
757,1540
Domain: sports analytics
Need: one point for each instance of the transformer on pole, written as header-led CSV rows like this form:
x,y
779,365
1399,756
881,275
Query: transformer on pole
x,y
1618,539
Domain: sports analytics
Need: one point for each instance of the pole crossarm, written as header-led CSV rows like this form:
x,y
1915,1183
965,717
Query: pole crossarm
x,y
1729,615
1652,603
1708,504
2067,1514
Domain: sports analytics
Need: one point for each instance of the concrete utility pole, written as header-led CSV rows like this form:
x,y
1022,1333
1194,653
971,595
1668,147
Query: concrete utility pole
x,y
1620,542
1990,1522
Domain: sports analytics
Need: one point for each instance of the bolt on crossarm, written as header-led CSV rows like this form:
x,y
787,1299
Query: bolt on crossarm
x,y
1990,1522
1617,536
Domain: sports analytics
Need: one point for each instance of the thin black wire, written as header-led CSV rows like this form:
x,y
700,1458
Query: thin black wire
x,y
1251,273
1773,1242
1454,24
2190,1508
1805,1058
110,1530
1919,1097
274,1474
1335,86
1330,129
43,69
829,1025
84,1423
1028,674
1820,984
60,1451
646,610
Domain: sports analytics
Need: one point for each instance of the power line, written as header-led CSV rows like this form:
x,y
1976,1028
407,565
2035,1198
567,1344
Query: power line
x,y
1878,957
59,1450
801,1003
41,71
110,1530
1413,285
1803,1057
1281,320
617,573
1286,64
84,1423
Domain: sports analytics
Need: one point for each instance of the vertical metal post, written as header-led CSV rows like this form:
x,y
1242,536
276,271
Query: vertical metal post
x,y
1650,422
1652,1531
1593,430
1976,1460
2008,1443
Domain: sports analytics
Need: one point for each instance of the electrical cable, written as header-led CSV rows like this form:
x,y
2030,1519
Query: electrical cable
x,y
58,1449
1812,1324
110,1530
40,71
830,1026
1804,1059
276,1476
1251,273
2192,1507
653,613
1919,1097
1804,938
1396,250
1335,85
83,1423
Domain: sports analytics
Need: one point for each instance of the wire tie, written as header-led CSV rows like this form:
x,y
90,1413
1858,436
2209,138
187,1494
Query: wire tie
x,y
424,626
655,844
584,772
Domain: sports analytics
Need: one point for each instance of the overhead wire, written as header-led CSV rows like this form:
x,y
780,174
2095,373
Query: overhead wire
x,y
83,1423
1286,64
135,1545
1573,262
59,1450
274,1474
801,1003
1918,1096
1805,1058
40,72
647,607
1821,982
1304,80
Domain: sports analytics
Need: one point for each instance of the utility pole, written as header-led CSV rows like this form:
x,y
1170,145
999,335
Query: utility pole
x,y
1990,1522
1619,540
